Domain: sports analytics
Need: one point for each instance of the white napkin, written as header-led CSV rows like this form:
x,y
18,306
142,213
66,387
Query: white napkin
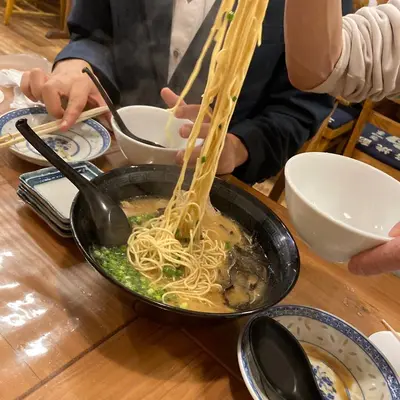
x,y
12,78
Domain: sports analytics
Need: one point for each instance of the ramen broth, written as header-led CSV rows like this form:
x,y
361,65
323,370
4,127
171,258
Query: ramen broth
x,y
243,276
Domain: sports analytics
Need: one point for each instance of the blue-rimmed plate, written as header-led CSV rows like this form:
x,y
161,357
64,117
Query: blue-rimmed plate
x,y
346,364
83,142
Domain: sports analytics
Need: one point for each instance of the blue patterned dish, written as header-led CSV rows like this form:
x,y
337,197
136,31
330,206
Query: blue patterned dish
x,y
65,233
49,189
346,364
24,194
83,142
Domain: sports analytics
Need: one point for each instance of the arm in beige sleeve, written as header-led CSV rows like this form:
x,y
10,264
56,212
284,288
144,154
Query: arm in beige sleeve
x,y
360,60
313,39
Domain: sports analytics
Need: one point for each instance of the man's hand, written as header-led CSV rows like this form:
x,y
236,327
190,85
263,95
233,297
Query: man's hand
x,y
65,83
385,258
234,153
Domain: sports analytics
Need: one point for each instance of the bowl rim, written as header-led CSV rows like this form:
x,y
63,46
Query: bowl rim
x,y
289,164
290,311
154,148
296,264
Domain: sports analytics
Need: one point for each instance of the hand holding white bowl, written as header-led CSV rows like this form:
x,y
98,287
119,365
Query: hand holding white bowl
x,y
384,258
345,210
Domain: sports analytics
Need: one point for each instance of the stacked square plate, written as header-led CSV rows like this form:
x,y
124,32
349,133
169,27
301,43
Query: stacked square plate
x,y
50,195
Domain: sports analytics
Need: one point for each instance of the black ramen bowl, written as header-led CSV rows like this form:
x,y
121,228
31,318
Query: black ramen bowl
x,y
251,214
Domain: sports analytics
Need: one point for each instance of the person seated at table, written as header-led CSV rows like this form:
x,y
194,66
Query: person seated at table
x,y
355,57
136,48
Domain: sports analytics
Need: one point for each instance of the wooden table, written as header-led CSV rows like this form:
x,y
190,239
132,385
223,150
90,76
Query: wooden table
x,y
64,333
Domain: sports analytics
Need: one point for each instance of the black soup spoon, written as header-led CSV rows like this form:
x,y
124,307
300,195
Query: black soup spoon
x,y
286,371
112,226
114,112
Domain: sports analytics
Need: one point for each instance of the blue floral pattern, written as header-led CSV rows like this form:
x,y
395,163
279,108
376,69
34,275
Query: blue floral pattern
x,y
324,383
58,144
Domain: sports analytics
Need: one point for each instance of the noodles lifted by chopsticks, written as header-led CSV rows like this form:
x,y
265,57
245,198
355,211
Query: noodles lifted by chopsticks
x,y
176,238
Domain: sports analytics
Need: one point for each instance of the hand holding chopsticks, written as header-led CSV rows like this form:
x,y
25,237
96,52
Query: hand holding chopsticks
x,y
8,140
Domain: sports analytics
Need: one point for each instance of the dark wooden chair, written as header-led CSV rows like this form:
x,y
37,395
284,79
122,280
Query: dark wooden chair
x,y
340,124
25,7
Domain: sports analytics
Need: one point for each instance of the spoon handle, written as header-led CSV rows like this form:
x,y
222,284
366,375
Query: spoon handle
x,y
51,156
107,99
114,111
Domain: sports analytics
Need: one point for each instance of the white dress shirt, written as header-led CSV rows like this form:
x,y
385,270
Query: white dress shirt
x,y
188,16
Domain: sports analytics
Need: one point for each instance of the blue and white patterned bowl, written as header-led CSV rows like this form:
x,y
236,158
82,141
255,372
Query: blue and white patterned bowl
x,y
83,142
346,364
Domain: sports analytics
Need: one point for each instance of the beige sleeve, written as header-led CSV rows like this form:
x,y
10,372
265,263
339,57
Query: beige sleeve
x,y
368,65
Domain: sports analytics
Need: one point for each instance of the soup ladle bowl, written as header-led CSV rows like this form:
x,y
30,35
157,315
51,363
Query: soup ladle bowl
x,y
286,373
112,225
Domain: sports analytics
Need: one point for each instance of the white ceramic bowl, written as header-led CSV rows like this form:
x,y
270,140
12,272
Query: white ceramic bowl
x,y
340,206
150,123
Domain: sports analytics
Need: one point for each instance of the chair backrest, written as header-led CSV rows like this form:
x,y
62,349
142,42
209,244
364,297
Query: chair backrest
x,y
311,145
342,101
314,143
371,116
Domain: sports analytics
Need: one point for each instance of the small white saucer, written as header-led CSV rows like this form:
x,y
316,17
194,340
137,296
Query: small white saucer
x,y
389,345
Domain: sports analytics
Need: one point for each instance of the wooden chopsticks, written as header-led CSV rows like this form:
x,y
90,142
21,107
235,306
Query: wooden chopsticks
x,y
388,327
50,127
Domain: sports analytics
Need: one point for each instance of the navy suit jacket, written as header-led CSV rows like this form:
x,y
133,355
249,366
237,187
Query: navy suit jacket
x,y
128,45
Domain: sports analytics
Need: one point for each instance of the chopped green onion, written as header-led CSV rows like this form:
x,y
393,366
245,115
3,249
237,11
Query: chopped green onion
x,y
230,16
172,272
203,159
115,262
234,98
228,246
140,219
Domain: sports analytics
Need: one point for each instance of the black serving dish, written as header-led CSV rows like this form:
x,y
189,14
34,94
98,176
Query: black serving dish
x,y
252,215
